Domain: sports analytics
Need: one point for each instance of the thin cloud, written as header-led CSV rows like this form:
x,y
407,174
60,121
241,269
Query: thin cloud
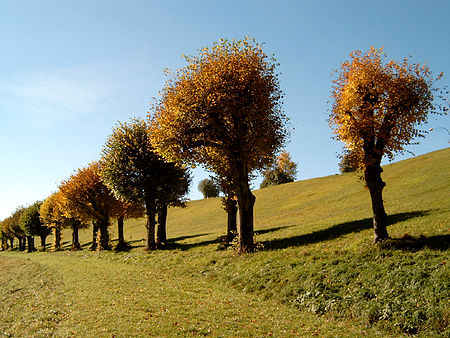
x,y
49,99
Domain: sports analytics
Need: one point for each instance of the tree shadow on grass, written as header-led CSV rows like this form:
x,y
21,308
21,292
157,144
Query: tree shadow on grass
x,y
266,231
175,239
337,230
410,243
172,244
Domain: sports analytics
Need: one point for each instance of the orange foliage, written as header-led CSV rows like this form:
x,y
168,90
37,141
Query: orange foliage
x,y
378,105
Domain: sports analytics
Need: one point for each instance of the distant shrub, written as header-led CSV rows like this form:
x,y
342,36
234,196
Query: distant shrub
x,y
208,188
345,165
283,170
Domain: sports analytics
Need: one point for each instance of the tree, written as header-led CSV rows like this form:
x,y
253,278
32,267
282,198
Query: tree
x,y
6,234
136,174
208,188
33,226
345,165
126,210
283,170
223,111
56,214
15,229
376,110
89,199
51,215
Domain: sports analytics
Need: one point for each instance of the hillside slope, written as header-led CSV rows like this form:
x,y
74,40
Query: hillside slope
x,y
417,185
317,272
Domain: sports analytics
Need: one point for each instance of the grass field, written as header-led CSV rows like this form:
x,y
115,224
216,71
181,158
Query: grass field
x,y
317,272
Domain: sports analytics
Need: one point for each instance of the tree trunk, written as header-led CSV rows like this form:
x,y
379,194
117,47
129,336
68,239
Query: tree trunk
x,y
94,235
57,239
11,243
161,235
232,209
43,242
103,235
150,243
245,202
30,241
375,184
22,243
4,243
75,240
121,243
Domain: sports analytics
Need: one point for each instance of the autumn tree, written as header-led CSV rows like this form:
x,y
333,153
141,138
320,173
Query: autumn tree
x,y
6,234
208,188
223,111
56,214
377,108
345,165
90,199
282,170
15,229
51,215
33,226
136,174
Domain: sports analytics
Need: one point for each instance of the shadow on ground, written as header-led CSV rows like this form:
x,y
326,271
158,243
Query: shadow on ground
x,y
172,244
337,230
410,243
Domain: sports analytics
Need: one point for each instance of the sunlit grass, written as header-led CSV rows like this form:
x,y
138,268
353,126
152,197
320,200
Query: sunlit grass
x,y
318,272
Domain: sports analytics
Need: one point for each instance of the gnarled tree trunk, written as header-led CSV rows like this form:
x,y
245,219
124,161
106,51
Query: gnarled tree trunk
x,y
121,243
103,235
30,242
94,235
231,209
43,242
57,239
75,240
246,201
375,184
161,235
150,225
22,243
4,243
11,243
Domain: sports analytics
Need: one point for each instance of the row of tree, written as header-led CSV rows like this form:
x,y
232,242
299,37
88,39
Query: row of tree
x,y
223,111
129,181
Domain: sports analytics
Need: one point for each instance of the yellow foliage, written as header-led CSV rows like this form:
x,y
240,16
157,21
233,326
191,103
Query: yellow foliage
x,y
378,105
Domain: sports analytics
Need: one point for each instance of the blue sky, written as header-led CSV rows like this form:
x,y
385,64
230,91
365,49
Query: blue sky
x,y
70,69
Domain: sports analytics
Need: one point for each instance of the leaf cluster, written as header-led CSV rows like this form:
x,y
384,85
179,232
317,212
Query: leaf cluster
x,y
282,170
31,223
55,212
378,105
223,108
136,173
87,197
209,188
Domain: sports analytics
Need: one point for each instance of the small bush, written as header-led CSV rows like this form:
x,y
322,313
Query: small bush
x,y
208,188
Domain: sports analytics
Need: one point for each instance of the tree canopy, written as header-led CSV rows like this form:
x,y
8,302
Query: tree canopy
x,y
282,170
377,108
208,188
223,111
137,174
32,225
89,199
378,105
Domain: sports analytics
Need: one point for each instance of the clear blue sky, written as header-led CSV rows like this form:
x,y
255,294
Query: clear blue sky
x,y
70,69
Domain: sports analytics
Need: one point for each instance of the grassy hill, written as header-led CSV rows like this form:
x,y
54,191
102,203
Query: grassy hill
x,y
317,272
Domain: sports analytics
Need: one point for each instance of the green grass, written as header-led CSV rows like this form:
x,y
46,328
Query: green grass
x,y
318,272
